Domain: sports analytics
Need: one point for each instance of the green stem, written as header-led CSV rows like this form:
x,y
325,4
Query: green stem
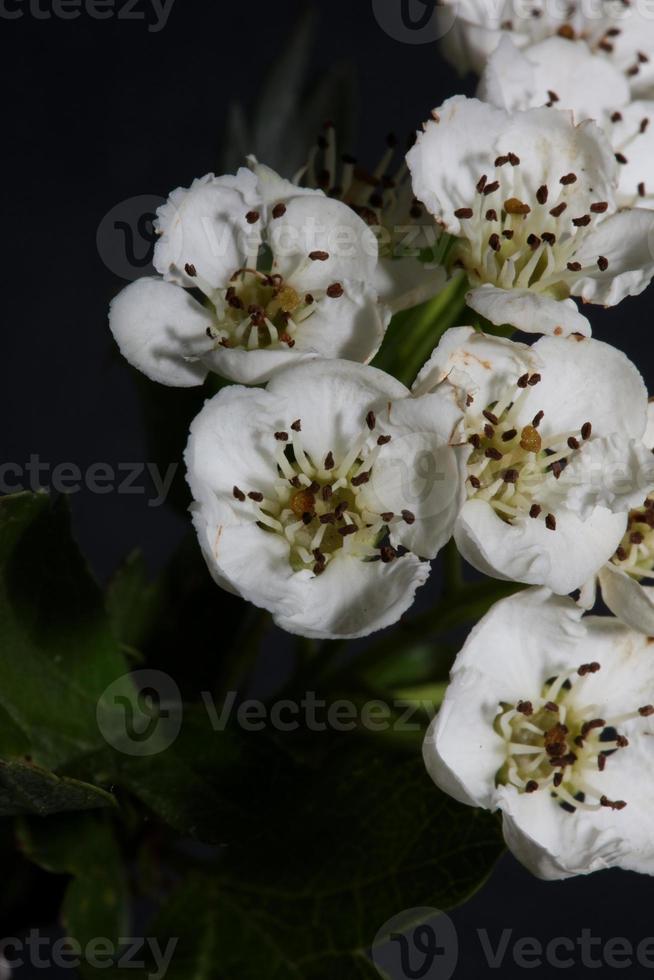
x,y
452,570
426,328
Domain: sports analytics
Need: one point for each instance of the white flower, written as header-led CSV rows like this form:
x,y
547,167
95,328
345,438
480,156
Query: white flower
x,y
567,75
317,498
282,273
623,579
618,31
548,719
408,272
530,198
557,460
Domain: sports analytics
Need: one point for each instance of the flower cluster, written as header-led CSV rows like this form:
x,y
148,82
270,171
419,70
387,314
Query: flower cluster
x,y
323,486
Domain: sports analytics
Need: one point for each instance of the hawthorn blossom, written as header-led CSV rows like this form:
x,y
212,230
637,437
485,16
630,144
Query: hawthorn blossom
x,y
256,273
557,457
618,31
627,580
565,74
548,719
320,498
410,243
530,198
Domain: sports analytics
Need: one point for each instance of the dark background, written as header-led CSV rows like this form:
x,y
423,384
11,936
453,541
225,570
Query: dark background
x,y
97,112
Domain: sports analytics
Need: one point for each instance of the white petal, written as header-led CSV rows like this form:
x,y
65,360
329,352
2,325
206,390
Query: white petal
x,y
253,367
633,136
611,472
205,226
352,598
527,551
573,371
529,311
583,83
461,750
419,472
333,399
626,240
476,363
314,223
161,330
351,326
627,599
405,282
451,154
648,437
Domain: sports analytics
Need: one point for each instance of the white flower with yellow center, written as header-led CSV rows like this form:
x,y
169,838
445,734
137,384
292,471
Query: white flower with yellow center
x,y
531,199
408,272
322,498
566,75
257,273
617,31
557,455
548,718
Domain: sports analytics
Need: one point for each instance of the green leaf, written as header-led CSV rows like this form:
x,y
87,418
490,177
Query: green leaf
x,y
26,788
83,846
57,650
133,603
354,837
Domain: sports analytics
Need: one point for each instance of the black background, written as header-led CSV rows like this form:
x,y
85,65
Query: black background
x,y
96,112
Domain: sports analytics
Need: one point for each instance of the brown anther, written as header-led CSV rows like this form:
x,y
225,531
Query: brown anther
x,y
408,517
636,537
612,804
307,518
530,439
303,502
238,494
553,97
297,425
523,381
549,237
558,210
491,215
463,213
537,419
616,117
327,518
508,234
494,242
586,431
574,266
531,786
573,443
387,554
516,206
318,256
599,207
566,31
511,476
281,436
641,189
525,708
647,711
509,435
309,299
501,161
568,179
622,741
491,188
535,511
590,726
493,419
558,779
279,210
489,431
493,453
327,493
329,461
256,496
621,158
475,482
387,516
601,762
534,242
383,440
602,263
190,270
360,479
550,522
475,440
347,530
514,160
481,183
591,668
551,706
335,291
542,194
371,420
340,510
